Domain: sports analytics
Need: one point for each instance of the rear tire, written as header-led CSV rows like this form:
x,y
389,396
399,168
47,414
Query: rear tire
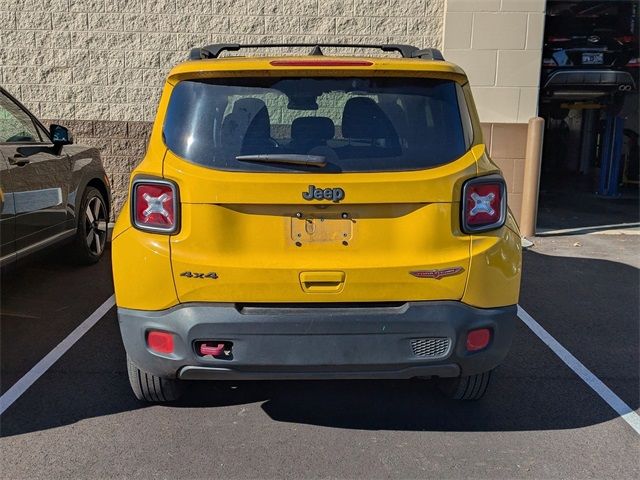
x,y
470,387
151,388
91,236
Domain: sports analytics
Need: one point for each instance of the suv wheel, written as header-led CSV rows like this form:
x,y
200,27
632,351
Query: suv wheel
x,y
91,236
151,388
471,387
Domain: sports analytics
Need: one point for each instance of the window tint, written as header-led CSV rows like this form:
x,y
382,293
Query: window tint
x,y
357,124
15,124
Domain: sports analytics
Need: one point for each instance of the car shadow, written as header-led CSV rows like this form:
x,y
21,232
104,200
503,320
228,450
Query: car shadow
x,y
586,304
42,299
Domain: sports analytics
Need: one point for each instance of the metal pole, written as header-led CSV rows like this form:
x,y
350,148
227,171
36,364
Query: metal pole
x,y
531,187
588,136
606,155
616,157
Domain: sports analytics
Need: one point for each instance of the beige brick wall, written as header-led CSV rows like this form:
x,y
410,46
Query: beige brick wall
x,y
107,59
507,143
98,65
499,45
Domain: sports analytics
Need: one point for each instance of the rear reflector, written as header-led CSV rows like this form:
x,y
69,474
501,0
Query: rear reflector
x,y
484,204
154,206
160,342
321,63
627,39
478,339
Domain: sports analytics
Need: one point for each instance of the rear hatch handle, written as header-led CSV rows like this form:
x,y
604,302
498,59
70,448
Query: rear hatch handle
x,y
322,282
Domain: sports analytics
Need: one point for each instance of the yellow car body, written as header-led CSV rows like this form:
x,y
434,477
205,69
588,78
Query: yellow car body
x,y
250,241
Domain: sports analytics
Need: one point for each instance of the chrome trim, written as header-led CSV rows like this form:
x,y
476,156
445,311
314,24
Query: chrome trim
x,y
26,251
7,259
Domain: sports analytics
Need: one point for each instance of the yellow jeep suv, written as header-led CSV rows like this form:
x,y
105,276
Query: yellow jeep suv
x,y
316,217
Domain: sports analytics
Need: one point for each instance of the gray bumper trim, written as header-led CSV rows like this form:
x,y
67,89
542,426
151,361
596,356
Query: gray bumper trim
x,y
588,78
219,373
300,341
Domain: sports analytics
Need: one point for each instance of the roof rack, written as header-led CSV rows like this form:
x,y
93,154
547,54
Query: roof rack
x,y
407,51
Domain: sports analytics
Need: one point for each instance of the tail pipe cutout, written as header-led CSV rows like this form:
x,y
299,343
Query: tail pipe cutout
x,y
322,282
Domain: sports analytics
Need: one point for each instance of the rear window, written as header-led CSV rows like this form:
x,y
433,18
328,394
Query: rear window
x,y
356,124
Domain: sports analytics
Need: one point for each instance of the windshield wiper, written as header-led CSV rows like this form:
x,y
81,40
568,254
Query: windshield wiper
x,y
295,159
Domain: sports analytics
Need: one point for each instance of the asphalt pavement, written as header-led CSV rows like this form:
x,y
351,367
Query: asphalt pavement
x,y
538,420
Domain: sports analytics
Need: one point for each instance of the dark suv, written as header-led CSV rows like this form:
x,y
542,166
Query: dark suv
x,y
50,190
590,49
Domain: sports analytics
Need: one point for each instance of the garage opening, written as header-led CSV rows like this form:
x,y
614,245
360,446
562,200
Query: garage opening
x,y
589,100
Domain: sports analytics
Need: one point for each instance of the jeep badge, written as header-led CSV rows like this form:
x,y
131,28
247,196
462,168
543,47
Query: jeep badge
x,y
333,194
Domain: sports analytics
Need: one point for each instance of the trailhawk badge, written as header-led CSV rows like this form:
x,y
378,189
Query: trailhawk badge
x,y
333,194
437,274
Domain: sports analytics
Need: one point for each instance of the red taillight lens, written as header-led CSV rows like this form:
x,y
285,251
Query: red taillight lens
x,y
484,204
155,206
559,39
626,39
478,339
160,342
321,63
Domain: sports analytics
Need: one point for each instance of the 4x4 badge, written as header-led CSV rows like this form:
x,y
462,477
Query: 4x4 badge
x,y
333,194
211,275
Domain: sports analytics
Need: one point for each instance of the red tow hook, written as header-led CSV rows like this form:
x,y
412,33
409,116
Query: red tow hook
x,y
214,350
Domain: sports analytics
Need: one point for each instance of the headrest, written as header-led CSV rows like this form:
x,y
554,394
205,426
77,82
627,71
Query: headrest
x,y
253,113
312,128
248,106
363,118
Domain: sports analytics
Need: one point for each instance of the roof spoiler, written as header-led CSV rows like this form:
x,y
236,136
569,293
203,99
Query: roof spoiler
x,y
406,51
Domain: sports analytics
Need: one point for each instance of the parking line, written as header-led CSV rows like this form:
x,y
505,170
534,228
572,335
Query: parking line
x,y
21,386
614,401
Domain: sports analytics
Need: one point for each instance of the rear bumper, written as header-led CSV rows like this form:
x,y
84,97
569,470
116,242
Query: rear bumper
x,y
600,80
318,342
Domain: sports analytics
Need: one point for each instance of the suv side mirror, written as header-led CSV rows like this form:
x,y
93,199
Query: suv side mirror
x,y
60,135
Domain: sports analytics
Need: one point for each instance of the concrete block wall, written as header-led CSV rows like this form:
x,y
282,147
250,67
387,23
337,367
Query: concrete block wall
x,y
98,65
499,45
506,143
122,145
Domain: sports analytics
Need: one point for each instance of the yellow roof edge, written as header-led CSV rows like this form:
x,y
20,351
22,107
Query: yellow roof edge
x,y
232,65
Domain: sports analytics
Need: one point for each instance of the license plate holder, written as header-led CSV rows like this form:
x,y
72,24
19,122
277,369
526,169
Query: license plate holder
x,y
593,58
321,230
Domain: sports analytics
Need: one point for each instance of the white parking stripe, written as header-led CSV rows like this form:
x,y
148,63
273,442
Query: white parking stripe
x,y
53,356
614,401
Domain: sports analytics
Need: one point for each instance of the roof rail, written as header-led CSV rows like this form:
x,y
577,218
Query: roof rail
x,y
407,51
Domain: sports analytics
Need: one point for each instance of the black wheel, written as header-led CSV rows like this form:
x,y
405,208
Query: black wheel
x,y
471,387
93,221
151,388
